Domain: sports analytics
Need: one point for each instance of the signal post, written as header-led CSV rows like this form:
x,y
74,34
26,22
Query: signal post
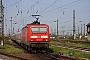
x,y
1,23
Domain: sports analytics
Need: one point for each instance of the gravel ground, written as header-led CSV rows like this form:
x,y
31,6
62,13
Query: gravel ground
x,y
27,56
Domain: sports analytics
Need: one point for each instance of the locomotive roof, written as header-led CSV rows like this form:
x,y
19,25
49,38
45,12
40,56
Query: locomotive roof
x,y
32,25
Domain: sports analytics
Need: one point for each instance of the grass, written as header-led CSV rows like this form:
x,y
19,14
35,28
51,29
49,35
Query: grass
x,y
75,53
10,49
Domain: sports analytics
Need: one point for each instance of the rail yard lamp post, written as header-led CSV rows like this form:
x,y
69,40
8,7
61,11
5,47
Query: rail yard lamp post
x,y
74,27
13,27
81,31
56,27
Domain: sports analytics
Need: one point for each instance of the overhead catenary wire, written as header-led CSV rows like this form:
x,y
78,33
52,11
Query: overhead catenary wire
x,y
16,5
13,4
62,6
17,8
49,6
32,8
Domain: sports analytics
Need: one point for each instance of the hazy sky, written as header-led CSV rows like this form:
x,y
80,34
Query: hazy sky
x,y
50,10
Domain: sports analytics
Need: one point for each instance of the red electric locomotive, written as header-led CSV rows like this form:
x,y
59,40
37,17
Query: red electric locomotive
x,y
36,36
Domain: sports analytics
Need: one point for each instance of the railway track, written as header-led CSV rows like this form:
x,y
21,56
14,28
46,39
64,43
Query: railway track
x,y
54,56
12,56
73,47
73,41
48,56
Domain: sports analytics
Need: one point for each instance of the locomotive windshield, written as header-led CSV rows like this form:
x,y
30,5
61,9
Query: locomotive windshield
x,y
39,29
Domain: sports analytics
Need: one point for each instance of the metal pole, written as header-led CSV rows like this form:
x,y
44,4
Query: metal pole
x,y
13,30
2,22
57,28
74,32
11,25
78,31
84,29
81,29
9,32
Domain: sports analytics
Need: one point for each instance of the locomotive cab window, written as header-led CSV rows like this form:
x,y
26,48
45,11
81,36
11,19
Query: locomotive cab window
x,y
39,29
33,29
